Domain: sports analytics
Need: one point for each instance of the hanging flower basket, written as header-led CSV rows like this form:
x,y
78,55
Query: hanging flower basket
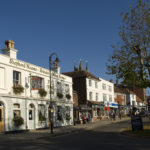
x,y
18,89
68,117
18,121
59,95
68,96
42,92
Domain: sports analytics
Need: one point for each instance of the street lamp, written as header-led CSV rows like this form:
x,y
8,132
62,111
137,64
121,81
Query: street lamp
x,y
55,64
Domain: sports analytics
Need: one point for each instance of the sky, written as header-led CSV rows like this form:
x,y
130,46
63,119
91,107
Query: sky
x,y
74,29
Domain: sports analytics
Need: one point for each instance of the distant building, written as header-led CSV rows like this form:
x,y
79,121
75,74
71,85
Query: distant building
x,y
94,94
128,97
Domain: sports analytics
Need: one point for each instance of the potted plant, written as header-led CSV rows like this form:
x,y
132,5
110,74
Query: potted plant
x,y
18,89
42,92
18,121
68,116
59,95
68,96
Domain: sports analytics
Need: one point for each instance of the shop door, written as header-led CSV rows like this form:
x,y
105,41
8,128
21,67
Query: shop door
x,y
31,118
1,119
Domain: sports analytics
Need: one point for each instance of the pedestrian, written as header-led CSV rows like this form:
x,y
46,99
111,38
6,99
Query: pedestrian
x,y
75,120
84,119
114,116
119,115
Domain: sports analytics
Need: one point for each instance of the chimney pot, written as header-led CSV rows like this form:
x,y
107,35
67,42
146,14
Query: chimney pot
x,y
9,44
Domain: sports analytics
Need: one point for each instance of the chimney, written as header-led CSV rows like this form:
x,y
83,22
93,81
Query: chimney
x,y
9,49
111,80
117,82
9,44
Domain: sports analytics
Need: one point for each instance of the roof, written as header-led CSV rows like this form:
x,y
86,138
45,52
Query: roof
x,y
139,92
78,74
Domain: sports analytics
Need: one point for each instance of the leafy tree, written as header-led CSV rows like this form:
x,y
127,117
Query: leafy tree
x,y
130,60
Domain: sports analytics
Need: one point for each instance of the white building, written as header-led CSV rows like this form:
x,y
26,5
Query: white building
x,y
107,93
33,108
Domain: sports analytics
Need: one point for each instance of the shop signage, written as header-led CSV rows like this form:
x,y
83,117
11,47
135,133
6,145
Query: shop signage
x,y
18,63
137,123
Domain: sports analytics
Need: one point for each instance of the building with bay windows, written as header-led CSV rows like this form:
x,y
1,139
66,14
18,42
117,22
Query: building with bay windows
x,y
24,93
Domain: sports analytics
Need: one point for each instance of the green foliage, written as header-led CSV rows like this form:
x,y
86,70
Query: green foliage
x,y
41,117
68,96
59,95
18,89
18,121
130,59
42,92
68,116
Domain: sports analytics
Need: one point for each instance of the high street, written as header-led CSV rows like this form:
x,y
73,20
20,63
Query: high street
x,y
101,135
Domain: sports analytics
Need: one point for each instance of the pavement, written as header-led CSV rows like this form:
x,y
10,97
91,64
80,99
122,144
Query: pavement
x,y
59,131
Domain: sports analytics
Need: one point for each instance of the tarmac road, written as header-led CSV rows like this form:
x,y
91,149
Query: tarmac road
x,y
106,137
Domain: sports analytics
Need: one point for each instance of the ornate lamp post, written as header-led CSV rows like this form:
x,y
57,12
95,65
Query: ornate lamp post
x,y
54,63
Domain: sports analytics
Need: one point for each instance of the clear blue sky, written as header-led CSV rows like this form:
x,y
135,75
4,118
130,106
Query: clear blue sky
x,y
74,29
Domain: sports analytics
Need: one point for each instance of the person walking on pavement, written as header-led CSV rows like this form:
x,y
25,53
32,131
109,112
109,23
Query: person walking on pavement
x,y
114,115
119,115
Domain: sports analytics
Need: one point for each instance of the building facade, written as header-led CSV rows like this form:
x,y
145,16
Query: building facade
x,y
22,88
129,97
94,94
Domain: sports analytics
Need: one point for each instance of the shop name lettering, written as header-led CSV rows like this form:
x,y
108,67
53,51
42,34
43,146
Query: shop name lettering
x,y
27,66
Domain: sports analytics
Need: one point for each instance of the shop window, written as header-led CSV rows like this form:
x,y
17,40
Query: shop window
x,y
95,111
17,110
37,83
41,111
16,78
59,113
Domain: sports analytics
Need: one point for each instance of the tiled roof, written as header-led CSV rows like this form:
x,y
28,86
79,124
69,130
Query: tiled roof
x,y
130,90
77,74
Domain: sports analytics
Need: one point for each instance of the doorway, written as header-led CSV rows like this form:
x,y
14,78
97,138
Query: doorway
x,y
1,118
31,117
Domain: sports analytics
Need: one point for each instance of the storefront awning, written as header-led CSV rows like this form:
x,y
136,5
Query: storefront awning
x,y
96,103
84,107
